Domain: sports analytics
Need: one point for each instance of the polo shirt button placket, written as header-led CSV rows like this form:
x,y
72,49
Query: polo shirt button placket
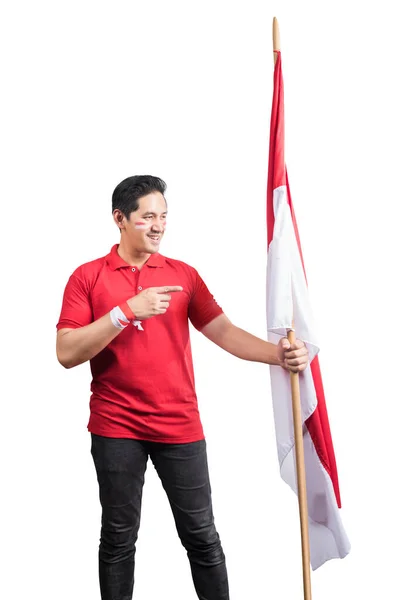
x,y
138,323
136,275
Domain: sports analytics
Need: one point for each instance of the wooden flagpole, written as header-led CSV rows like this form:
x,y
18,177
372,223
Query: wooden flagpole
x,y
298,426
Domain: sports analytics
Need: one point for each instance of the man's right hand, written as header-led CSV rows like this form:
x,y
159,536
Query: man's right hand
x,y
152,301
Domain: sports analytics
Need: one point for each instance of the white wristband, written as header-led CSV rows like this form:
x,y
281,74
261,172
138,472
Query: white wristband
x,y
118,319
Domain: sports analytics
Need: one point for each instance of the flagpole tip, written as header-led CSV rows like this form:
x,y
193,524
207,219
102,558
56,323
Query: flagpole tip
x,y
276,39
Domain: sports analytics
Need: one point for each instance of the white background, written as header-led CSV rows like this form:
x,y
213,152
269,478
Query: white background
x,y
94,92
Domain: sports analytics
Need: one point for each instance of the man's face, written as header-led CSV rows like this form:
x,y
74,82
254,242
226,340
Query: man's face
x,y
145,227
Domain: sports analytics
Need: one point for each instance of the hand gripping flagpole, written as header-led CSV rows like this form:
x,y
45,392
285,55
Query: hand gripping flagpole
x,y
298,425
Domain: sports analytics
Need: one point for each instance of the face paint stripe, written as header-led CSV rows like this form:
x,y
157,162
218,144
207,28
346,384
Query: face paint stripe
x,y
142,225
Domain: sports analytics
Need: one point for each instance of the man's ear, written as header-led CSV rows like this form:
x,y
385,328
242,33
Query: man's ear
x,y
119,218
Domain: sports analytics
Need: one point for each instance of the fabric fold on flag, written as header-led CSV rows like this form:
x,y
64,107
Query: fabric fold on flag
x,y
287,303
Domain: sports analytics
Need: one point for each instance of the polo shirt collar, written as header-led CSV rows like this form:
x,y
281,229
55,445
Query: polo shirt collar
x,y
116,262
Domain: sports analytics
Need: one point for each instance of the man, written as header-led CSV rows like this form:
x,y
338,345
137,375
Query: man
x,y
128,314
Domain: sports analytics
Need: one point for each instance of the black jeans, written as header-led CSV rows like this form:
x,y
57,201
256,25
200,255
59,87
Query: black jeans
x,y
183,470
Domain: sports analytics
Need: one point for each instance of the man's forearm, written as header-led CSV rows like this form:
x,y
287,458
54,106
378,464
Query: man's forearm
x,y
244,345
76,346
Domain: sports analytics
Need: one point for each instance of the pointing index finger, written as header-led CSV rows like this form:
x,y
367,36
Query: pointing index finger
x,y
169,288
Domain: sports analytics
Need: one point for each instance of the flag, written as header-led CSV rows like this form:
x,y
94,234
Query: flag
x,y
288,302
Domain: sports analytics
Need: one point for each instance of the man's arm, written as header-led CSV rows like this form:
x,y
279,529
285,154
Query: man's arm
x,y
76,346
244,345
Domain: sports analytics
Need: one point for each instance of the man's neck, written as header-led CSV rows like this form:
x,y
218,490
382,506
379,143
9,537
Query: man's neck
x,y
132,256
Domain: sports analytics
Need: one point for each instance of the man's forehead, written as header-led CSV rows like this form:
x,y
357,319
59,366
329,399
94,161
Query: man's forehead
x,y
154,202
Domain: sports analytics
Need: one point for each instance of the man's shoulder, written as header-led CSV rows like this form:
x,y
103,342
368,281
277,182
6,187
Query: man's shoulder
x,y
176,262
91,269
180,265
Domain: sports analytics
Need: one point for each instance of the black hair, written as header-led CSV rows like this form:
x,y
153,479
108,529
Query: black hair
x,y
127,193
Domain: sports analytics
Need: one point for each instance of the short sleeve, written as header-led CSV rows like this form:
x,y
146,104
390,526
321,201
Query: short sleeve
x,y
202,306
76,308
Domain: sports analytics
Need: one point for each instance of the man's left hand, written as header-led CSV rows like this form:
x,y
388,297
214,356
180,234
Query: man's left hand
x,y
293,357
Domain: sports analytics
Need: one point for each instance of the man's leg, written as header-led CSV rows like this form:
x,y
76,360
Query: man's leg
x,y
120,466
183,470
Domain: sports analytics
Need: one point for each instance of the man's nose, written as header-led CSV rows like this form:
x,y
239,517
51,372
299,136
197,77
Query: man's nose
x,y
157,225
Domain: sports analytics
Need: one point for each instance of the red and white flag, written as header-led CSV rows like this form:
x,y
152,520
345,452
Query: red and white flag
x,y
288,302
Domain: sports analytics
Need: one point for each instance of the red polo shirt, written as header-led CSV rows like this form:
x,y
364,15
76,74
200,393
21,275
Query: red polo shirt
x,y
143,381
